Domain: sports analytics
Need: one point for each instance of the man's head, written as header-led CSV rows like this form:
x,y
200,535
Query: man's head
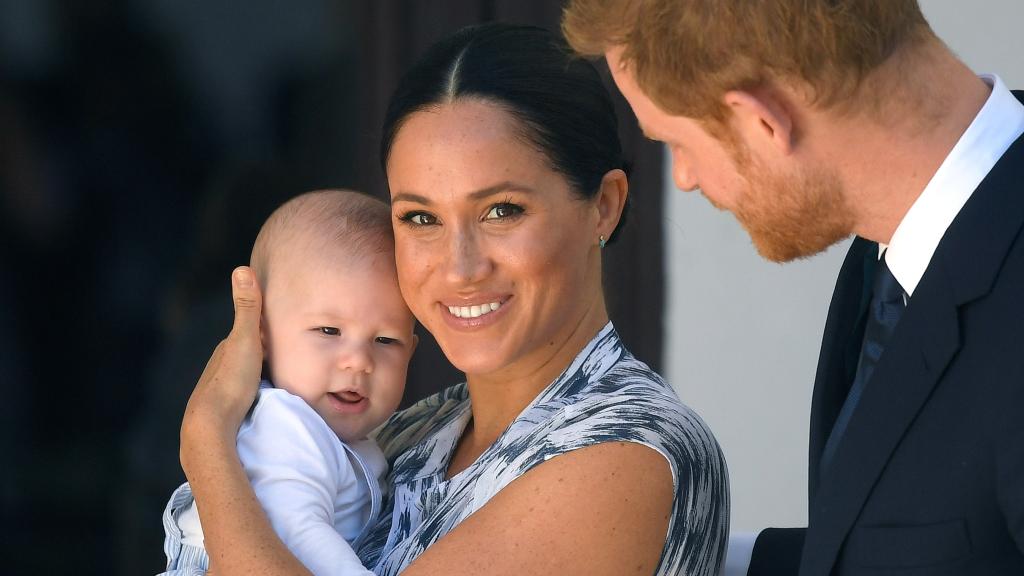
x,y
336,330
735,88
686,54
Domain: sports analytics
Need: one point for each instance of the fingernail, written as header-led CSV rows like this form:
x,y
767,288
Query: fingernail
x,y
243,278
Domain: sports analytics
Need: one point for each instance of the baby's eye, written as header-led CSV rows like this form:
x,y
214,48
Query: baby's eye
x,y
329,330
503,210
418,218
386,340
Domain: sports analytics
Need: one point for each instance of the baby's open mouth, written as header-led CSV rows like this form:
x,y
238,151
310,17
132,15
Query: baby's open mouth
x,y
347,396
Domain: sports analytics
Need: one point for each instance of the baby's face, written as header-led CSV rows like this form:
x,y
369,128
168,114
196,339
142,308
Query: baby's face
x,y
340,337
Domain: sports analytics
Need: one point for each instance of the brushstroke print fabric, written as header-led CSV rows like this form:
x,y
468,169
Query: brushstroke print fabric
x,y
605,395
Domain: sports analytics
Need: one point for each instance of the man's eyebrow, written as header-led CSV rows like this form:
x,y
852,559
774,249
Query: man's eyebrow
x,y
480,194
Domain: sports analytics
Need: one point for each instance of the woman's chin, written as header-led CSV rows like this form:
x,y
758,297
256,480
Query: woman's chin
x,y
474,358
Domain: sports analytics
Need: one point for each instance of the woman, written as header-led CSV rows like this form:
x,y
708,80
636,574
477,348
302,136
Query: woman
x,y
561,454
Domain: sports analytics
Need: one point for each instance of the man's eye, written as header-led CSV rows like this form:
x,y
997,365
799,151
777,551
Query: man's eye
x,y
417,218
329,330
386,340
503,210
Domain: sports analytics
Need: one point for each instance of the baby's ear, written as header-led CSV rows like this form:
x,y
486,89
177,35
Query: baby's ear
x,y
415,342
263,334
265,343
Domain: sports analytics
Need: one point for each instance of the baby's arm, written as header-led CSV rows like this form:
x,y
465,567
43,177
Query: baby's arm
x,y
296,465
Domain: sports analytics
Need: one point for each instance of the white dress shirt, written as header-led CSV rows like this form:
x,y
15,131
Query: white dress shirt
x,y
998,124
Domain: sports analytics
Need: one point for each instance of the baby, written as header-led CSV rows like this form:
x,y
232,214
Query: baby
x,y
337,338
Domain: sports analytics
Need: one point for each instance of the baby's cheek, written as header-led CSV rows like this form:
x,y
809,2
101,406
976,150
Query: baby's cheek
x,y
393,394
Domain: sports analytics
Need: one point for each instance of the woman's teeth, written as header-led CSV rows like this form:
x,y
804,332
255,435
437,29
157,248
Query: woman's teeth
x,y
473,311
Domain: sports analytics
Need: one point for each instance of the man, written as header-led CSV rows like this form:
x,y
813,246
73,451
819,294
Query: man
x,y
813,120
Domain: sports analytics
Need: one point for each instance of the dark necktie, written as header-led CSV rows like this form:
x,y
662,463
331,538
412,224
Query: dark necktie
x,y
884,312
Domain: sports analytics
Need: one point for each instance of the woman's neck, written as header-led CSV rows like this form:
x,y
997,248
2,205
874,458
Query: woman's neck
x,y
497,398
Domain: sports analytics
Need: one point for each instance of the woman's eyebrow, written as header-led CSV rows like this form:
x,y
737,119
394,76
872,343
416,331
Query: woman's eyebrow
x,y
410,197
499,188
475,195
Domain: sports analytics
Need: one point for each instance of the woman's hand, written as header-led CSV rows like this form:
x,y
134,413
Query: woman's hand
x,y
229,383
237,534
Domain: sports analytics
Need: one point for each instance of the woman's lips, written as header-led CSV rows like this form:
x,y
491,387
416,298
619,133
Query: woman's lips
x,y
486,311
347,402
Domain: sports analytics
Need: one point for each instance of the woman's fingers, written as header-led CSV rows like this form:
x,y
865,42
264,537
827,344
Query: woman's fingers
x,y
234,370
248,302
241,355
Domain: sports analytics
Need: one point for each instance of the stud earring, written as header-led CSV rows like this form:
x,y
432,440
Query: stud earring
x,y
601,241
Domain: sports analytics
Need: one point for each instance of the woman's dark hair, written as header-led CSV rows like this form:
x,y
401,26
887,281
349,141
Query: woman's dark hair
x,y
558,97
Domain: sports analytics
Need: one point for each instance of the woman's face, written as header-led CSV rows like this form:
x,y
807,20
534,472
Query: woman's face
x,y
497,256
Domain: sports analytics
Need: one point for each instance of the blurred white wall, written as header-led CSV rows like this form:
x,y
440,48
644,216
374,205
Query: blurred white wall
x,y
743,335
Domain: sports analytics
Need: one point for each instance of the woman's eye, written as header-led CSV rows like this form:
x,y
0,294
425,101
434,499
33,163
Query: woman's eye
x,y
386,340
329,330
503,210
418,218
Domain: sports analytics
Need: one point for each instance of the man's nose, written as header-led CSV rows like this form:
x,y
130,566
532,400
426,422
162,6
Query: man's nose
x,y
682,173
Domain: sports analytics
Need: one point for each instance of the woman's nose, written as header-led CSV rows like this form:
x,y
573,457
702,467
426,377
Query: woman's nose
x,y
466,260
356,357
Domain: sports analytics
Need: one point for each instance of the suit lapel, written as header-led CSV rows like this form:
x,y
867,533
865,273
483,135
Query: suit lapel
x,y
843,327
964,268
924,342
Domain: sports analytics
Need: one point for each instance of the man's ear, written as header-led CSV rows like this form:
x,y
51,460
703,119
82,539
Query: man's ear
x,y
610,202
762,119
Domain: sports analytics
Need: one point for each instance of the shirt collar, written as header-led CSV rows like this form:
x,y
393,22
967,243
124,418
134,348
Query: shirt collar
x,y
998,124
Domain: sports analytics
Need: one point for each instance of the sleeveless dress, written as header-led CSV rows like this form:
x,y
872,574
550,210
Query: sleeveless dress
x,y
605,395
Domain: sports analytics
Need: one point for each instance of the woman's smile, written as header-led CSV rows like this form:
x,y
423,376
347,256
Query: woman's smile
x,y
474,310
476,316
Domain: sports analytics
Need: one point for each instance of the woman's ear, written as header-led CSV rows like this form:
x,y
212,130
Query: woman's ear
x,y
611,200
762,119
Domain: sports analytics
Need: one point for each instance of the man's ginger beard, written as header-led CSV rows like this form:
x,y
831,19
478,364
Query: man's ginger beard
x,y
789,216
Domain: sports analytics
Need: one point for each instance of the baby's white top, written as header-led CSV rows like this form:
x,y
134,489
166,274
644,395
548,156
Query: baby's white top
x,y
320,493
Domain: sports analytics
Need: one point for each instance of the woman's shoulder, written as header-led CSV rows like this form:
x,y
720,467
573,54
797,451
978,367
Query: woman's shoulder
x,y
631,403
608,395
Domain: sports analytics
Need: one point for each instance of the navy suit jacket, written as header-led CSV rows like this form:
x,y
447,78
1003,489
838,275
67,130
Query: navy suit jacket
x,y
929,477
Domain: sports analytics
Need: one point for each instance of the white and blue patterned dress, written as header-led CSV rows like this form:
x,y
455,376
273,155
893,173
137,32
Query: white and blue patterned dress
x,y
605,395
